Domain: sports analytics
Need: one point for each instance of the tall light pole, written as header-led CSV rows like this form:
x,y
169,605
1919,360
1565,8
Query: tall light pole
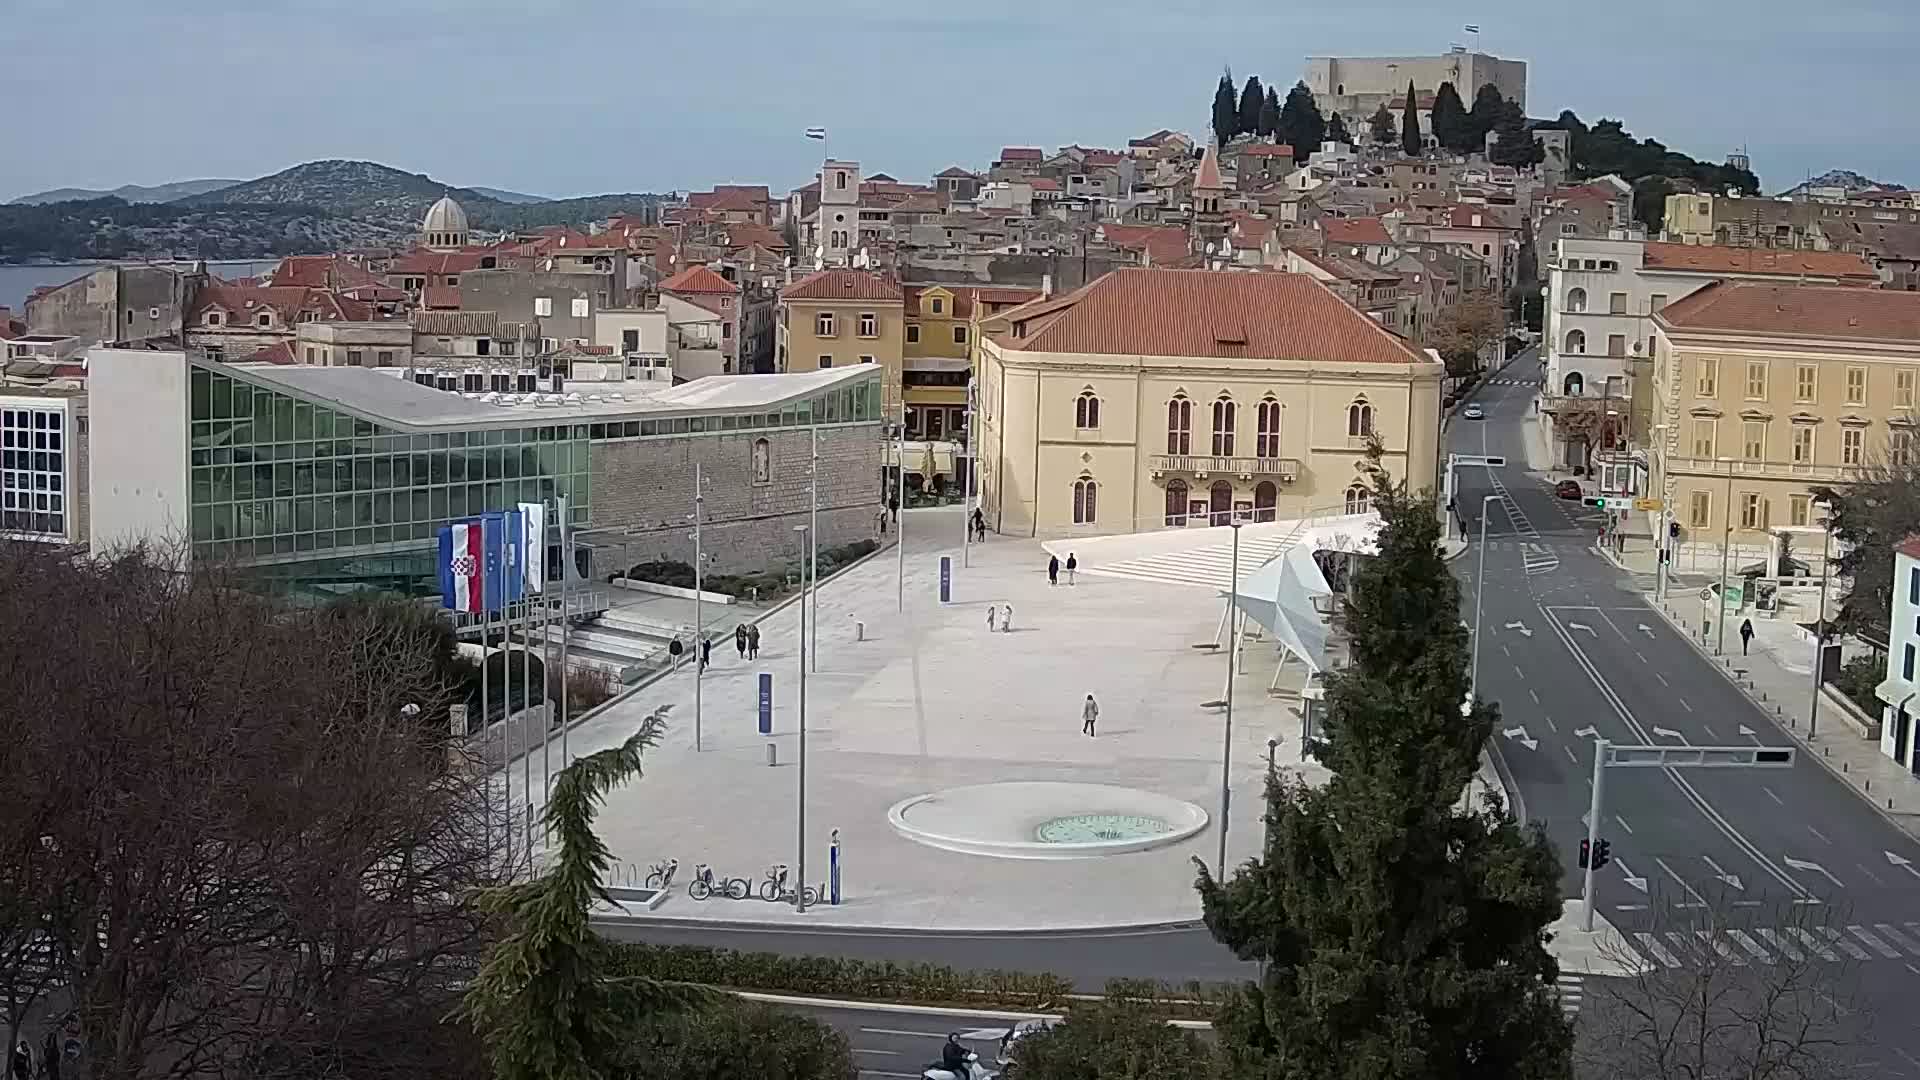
x,y
1233,664
966,485
1593,829
899,520
1726,552
1820,618
800,792
1479,591
699,622
813,556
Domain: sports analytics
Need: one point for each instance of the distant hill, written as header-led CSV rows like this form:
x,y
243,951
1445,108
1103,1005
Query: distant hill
x,y
132,193
1841,178
358,188
509,196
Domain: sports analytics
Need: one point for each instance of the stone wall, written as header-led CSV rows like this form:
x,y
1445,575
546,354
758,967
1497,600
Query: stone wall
x,y
645,485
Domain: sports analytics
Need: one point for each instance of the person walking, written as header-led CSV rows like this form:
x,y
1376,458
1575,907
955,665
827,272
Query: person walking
x,y
706,652
1746,635
753,641
1073,563
22,1061
1088,714
1053,570
1006,619
893,507
991,612
740,639
979,523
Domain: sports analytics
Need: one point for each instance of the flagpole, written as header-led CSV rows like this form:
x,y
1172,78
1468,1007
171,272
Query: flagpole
x,y
699,623
566,574
546,672
526,687
489,571
486,721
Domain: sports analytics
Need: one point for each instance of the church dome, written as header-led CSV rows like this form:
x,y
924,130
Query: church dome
x,y
445,216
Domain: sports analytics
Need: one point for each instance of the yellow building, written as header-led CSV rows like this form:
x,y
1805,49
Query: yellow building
x,y
940,349
1155,398
837,318
1764,390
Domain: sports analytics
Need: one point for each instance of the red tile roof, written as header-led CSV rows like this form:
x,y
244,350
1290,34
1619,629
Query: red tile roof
x,y
1204,313
1757,308
1162,243
741,234
1208,178
735,199
965,296
1461,216
699,279
440,262
1910,547
842,285
440,298
280,352
288,302
1044,183
320,272
1350,231
1713,259
1021,153
1266,150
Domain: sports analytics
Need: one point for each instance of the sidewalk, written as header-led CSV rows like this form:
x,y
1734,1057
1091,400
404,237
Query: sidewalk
x,y
1777,674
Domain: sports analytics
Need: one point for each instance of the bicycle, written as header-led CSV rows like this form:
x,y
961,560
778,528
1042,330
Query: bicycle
x,y
660,874
704,885
774,889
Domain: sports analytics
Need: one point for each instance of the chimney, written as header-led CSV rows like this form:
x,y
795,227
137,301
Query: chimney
x,y
1046,286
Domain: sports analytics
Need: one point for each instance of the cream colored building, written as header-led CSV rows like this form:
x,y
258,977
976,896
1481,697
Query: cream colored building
x,y
1167,398
1767,390
839,318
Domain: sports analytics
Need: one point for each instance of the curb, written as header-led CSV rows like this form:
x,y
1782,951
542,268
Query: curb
x,y
1095,930
799,1001
1901,822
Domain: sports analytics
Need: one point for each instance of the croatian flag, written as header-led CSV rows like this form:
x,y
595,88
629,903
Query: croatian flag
x,y
818,133
462,563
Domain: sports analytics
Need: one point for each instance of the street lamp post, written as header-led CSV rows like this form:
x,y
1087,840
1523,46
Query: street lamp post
x,y
900,522
800,793
813,557
1820,619
1233,664
699,623
966,486
1726,553
1479,590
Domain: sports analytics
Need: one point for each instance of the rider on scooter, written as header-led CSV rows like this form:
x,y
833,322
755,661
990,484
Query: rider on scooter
x,y
953,1057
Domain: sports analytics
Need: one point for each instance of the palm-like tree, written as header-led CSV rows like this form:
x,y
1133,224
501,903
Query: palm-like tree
x,y
545,999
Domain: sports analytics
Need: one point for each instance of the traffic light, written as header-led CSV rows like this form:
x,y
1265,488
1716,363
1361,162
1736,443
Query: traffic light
x,y
1598,501
1583,854
1601,856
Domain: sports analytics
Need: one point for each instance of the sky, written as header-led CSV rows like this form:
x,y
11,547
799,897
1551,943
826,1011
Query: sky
x,y
575,97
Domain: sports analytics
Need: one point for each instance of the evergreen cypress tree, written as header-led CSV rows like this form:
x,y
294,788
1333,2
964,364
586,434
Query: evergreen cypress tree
x,y
1402,933
1270,113
1381,127
1515,145
1251,99
1226,115
1410,142
1449,120
1488,105
1337,130
1301,125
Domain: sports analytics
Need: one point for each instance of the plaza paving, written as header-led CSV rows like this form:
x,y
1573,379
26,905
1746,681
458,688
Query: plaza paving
x,y
932,700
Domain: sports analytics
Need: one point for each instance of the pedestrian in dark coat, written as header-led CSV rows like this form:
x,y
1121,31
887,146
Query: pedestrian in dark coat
x,y
753,641
1089,713
1746,635
740,640
1072,565
706,652
1053,569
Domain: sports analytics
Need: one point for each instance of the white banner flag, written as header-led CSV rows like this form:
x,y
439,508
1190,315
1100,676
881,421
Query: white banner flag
x,y
533,517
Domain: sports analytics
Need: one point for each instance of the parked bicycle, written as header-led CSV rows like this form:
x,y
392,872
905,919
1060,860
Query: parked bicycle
x,y
660,874
774,889
704,885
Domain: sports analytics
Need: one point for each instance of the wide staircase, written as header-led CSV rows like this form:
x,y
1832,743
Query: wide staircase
x,y
624,645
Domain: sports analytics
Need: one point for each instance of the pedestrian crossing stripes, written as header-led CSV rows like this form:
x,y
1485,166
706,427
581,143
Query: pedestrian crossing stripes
x,y
1510,381
1767,945
1571,993
1538,557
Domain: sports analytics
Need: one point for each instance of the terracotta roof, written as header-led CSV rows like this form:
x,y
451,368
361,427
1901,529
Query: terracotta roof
x,y
287,301
441,297
1261,149
699,279
1816,311
440,262
1208,178
965,296
1461,216
1362,230
1399,104
1344,268
280,352
739,234
1044,183
1021,153
456,323
1101,158
1204,313
1162,243
1910,547
320,272
727,197
1714,259
954,171
842,285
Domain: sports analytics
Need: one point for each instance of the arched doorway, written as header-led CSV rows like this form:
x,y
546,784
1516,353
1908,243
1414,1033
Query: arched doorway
x,y
1574,385
1176,502
1265,496
1220,503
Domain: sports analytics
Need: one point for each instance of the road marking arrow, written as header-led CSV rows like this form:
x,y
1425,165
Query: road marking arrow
x,y
1747,731
1730,879
1586,733
1647,630
1519,735
1902,863
1582,626
1636,882
1522,627
1802,864
1668,733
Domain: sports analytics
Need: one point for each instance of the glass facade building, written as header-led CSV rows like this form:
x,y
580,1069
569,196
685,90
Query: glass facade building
x,y
33,470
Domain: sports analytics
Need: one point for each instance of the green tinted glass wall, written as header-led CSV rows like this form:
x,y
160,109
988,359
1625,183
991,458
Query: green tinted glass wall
x,y
274,477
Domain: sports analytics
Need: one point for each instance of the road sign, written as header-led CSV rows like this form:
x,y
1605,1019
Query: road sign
x,y
766,703
1648,504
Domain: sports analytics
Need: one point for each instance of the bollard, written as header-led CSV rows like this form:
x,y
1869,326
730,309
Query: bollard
x,y
1843,766
773,754
859,630
1866,785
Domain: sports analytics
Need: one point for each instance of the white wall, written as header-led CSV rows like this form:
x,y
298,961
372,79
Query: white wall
x,y
608,324
1903,634
137,469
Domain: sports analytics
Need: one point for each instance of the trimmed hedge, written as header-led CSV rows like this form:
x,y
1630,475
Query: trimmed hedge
x,y
842,977
766,584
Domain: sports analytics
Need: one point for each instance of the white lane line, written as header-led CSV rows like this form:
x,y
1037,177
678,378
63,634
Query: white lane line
x,y
1752,946
1683,703
1698,900
1517,671
1534,696
1786,947
1871,876
1506,650
1652,946
1771,795
1572,757
1874,943
1813,944
1555,728
1641,655
1623,823
1713,940
1817,836
1846,946
911,1034
1709,732
882,1053
1662,678
1898,938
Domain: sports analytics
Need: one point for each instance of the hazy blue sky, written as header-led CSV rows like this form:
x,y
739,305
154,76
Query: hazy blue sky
x,y
583,96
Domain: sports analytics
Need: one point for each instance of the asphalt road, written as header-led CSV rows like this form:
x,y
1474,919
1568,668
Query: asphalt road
x,y
1571,652
895,1045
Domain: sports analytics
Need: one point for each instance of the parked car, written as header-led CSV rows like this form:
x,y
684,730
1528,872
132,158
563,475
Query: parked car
x,y
1567,489
1473,412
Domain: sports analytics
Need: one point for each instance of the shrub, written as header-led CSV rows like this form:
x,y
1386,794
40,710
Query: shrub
x,y
587,688
1856,679
1114,1039
841,977
737,1039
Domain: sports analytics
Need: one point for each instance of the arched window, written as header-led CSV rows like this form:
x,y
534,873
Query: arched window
x,y
1084,493
1266,441
1265,496
1359,499
1574,385
1223,411
1220,503
1359,419
1086,411
1180,425
1176,502
1576,341
1576,299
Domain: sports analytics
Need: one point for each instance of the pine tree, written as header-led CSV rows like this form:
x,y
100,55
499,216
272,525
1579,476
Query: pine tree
x,y
1251,99
1337,130
1401,931
1301,125
1410,142
1515,145
1270,113
1226,115
1382,130
1449,120
1488,105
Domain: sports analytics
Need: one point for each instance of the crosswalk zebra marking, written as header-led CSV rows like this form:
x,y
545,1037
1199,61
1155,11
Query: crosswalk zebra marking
x,y
1874,943
1652,947
1813,944
1898,938
1787,948
1848,947
1752,946
1713,940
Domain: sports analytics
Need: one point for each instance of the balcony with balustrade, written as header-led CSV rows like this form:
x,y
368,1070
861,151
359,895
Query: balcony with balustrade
x,y
1201,467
